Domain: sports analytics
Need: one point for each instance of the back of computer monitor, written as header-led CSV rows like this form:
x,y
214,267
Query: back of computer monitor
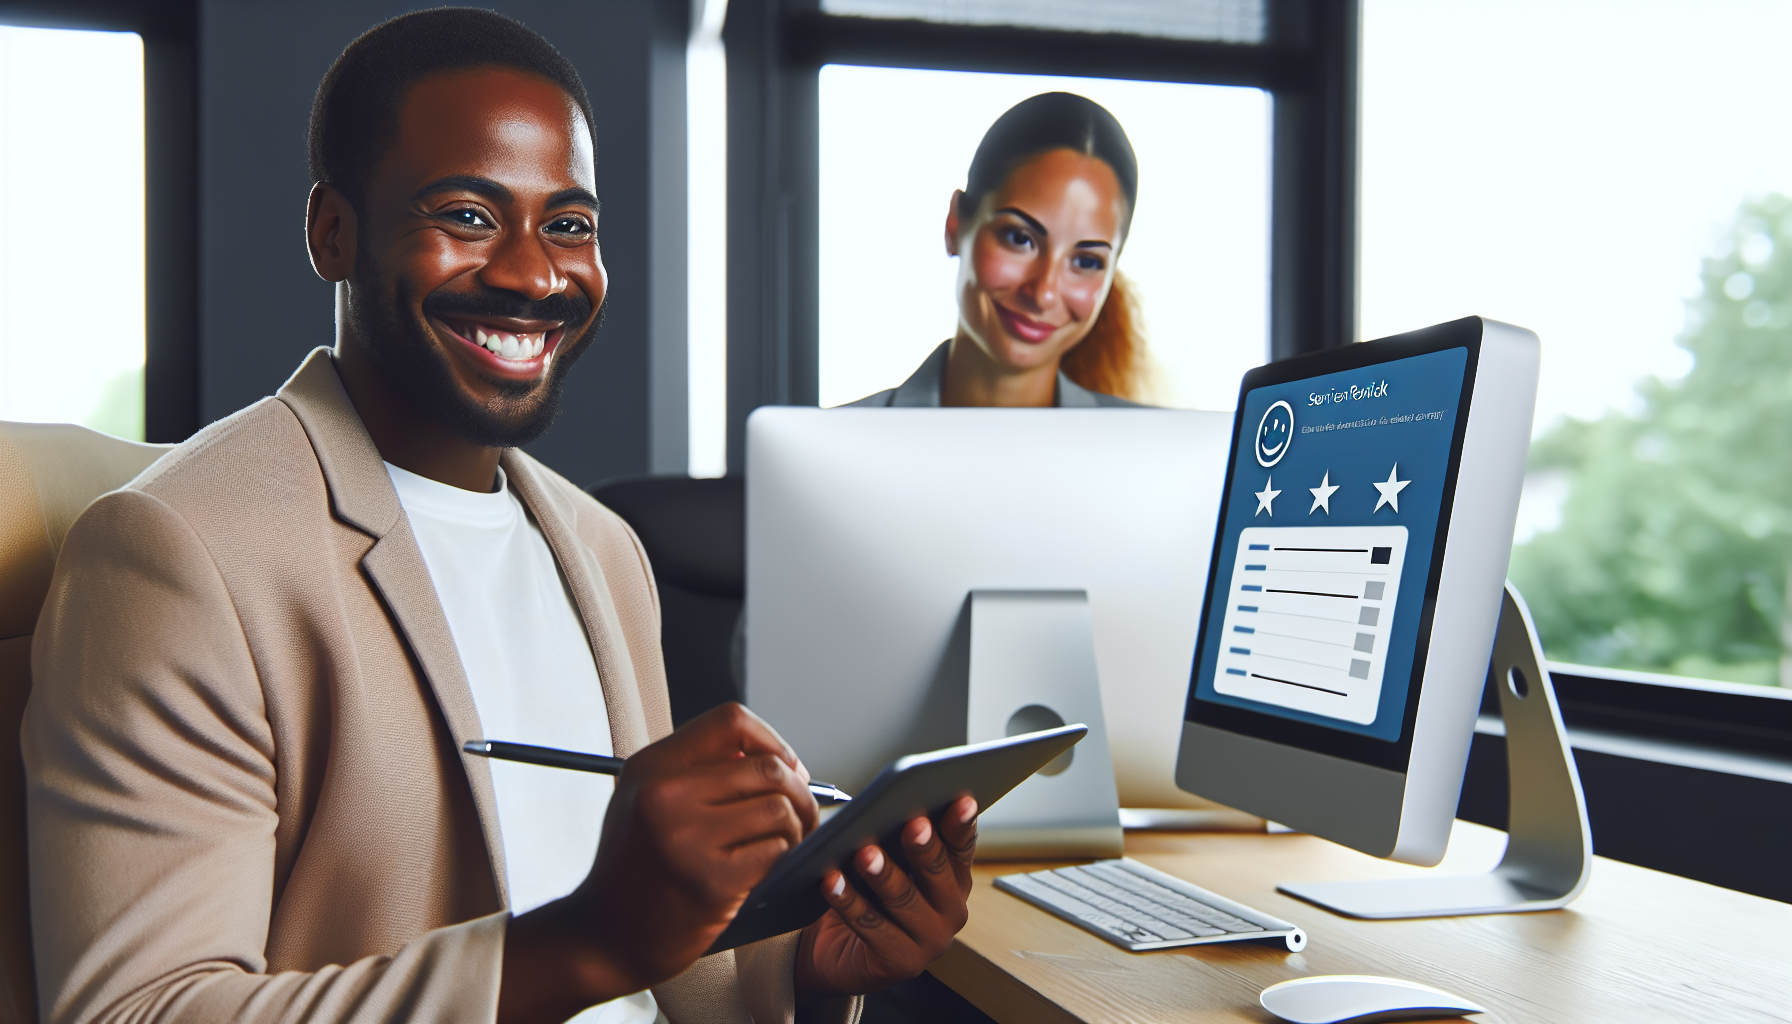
x,y
1356,579
868,529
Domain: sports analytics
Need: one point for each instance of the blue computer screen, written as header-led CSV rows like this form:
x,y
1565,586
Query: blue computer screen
x,y
1326,542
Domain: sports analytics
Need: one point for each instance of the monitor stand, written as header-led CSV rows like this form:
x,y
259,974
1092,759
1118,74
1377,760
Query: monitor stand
x,y
1549,853
1032,667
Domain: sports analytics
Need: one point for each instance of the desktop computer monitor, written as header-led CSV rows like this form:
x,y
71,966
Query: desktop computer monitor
x,y
1355,584
867,529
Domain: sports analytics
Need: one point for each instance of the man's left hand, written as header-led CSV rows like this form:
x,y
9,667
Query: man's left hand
x,y
893,923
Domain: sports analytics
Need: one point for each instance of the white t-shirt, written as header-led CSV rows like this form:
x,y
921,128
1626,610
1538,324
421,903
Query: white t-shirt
x,y
528,661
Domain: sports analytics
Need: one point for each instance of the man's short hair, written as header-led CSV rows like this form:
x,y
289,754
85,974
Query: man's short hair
x,y
354,118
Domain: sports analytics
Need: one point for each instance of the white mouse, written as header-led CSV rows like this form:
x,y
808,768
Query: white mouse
x,y
1360,999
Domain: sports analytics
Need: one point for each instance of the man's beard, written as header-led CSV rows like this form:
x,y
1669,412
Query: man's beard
x,y
404,352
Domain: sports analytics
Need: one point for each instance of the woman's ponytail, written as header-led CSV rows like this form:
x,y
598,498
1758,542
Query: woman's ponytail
x,y
1112,358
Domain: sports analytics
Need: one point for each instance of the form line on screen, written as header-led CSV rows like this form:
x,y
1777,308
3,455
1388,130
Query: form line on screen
x,y
1338,551
1302,639
1321,618
1297,661
1304,686
1312,593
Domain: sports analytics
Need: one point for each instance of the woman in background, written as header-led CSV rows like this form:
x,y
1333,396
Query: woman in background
x,y
1044,318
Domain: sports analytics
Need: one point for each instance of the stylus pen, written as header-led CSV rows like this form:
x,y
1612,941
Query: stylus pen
x,y
603,764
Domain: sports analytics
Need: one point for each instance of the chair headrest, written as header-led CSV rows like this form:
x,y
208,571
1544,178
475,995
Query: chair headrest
x,y
50,473
694,530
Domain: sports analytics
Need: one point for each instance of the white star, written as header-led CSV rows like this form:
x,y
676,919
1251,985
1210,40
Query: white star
x,y
1390,491
1265,498
1322,495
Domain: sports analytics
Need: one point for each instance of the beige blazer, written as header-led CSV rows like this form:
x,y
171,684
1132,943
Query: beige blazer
x,y
247,799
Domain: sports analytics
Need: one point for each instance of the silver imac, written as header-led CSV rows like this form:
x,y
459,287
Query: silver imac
x,y
923,577
1355,585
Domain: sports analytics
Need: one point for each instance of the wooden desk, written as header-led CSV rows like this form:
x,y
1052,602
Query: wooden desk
x,y
1638,946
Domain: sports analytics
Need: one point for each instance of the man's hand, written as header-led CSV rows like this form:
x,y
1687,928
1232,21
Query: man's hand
x,y
891,923
696,821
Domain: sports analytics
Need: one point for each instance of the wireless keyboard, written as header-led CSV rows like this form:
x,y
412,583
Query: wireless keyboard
x,y
1138,907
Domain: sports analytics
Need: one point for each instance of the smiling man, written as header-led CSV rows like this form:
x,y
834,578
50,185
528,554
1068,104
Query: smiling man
x,y
259,661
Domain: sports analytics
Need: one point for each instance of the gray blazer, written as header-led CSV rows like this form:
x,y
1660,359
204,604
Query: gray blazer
x,y
922,390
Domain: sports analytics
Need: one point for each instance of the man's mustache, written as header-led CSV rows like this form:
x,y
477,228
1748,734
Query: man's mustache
x,y
569,309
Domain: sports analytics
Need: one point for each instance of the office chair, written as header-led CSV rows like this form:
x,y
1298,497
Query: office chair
x,y
49,473
695,533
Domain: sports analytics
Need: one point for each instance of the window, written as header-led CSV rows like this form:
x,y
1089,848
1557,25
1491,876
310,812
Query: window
x,y
72,238
706,112
1613,177
1226,21
895,143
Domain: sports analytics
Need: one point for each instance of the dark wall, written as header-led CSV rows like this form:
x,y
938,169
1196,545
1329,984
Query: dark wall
x,y
262,308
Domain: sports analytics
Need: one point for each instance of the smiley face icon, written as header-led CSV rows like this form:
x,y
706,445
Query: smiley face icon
x,y
1274,433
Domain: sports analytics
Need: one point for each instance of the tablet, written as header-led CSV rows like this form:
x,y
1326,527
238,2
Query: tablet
x,y
789,897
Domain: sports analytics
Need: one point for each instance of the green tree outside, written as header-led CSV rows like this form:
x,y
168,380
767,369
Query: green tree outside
x,y
1675,544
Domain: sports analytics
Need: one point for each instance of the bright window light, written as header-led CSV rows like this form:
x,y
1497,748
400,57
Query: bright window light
x,y
1614,177
895,143
72,228
1563,165
706,104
